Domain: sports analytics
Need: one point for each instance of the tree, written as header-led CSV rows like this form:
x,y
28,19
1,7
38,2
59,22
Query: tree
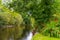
x,y
23,7
42,10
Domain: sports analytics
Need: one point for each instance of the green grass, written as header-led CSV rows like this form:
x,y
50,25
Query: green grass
x,y
41,37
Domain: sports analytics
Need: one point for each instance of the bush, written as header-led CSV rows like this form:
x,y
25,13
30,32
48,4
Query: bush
x,y
10,26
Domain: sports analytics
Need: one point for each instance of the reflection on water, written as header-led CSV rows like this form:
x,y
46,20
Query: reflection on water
x,y
27,37
11,38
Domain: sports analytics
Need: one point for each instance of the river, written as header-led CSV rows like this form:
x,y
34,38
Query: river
x,y
28,37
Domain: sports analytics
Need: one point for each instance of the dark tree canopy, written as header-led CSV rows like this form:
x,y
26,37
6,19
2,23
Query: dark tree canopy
x,y
42,11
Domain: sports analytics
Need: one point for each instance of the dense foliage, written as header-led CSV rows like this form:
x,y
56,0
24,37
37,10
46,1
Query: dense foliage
x,y
41,10
35,13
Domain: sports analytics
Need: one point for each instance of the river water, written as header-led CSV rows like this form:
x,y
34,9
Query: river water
x,y
28,37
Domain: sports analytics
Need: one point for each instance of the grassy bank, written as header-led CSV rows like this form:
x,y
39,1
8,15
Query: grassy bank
x,y
41,37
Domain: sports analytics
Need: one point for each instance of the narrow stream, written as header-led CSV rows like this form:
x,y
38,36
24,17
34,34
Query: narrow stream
x,y
28,37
